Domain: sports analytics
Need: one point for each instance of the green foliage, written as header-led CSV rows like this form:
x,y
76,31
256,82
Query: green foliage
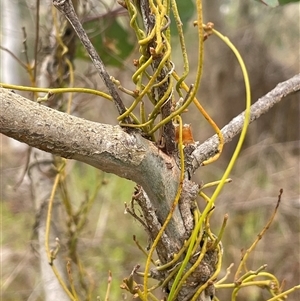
x,y
110,39
114,42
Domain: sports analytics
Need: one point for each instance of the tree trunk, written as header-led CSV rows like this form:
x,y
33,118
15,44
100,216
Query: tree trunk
x,y
129,155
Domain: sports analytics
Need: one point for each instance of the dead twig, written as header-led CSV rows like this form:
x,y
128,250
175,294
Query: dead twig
x,y
67,9
210,147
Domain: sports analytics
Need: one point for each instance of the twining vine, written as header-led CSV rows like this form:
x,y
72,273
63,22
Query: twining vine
x,y
157,83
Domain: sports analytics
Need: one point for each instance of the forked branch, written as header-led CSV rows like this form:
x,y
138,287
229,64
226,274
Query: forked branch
x,y
10,102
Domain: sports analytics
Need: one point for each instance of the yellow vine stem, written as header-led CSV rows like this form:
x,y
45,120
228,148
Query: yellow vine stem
x,y
263,274
194,241
143,65
284,294
207,117
177,267
140,293
189,272
165,98
159,10
171,274
182,44
199,237
176,200
47,232
64,90
175,113
61,282
250,275
221,232
67,61
57,90
57,29
228,272
138,124
217,130
244,129
194,238
259,283
150,83
185,246
48,222
143,117
214,183
167,4
159,17
237,150
176,256
246,255
133,20
248,281
198,74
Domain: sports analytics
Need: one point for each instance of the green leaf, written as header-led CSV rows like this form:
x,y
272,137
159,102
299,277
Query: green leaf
x,y
110,39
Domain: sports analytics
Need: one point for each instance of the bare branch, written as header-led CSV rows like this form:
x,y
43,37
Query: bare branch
x,y
103,146
66,8
210,147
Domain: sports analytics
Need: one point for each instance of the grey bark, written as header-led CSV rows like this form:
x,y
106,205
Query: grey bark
x,y
127,155
234,127
108,147
103,146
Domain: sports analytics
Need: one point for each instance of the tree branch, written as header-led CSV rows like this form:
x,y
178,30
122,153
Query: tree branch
x,y
67,9
112,150
210,147
103,146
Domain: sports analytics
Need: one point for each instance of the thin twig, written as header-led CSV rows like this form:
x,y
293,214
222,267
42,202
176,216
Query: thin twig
x,y
210,147
66,8
25,50
22,64
259,237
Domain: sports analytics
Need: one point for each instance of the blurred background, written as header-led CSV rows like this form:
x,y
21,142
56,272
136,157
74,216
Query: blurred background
x,y
268,40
